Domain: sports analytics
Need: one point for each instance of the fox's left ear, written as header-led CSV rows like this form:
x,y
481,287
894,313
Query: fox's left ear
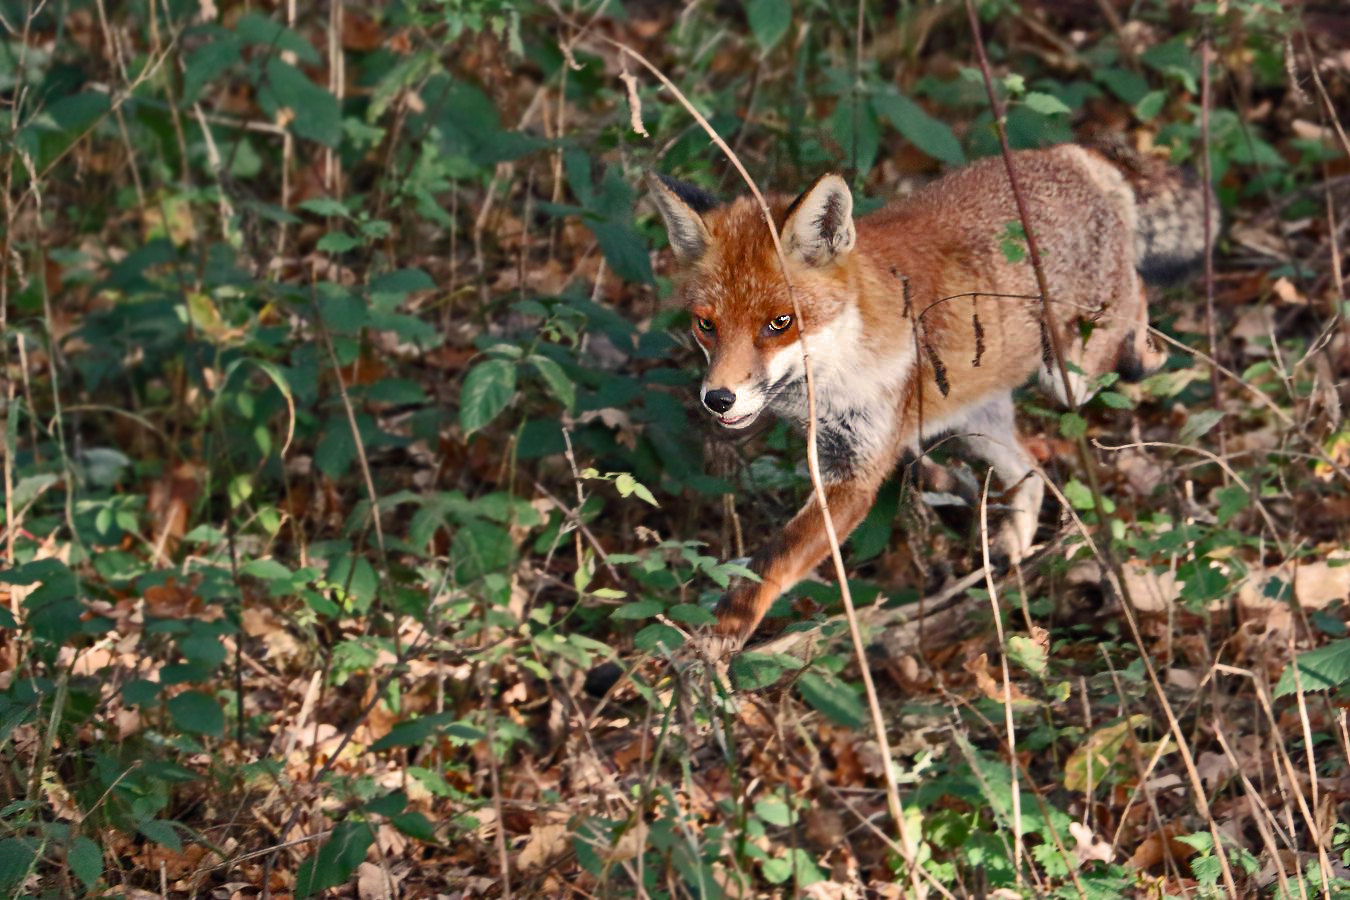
x,y
819,226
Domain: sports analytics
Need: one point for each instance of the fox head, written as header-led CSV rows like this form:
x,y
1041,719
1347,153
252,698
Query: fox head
x,y
730,279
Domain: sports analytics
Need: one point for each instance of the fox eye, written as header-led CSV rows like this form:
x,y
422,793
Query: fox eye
x,y
705,325
780,323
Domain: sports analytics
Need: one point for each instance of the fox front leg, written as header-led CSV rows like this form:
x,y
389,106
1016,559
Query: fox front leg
x,y
792,556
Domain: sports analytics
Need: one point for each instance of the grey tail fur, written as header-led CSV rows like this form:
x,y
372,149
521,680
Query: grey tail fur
x,y
1170,209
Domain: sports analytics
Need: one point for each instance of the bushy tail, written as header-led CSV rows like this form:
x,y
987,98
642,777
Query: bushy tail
x,y
1170,206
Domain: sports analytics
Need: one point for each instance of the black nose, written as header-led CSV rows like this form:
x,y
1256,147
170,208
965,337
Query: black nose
x,y
719,400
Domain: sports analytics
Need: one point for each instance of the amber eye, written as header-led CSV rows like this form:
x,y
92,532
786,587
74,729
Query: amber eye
x,y
781,323
706,325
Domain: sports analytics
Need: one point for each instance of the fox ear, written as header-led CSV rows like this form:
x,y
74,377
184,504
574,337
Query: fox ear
x,y
819,226
681,205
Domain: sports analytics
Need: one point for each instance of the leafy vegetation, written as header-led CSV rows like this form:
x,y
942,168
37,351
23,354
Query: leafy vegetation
x,y
345,432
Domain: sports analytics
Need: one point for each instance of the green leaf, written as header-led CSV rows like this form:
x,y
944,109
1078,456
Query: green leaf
x,y
559,385
488,388
207,63
1129,87
628,485
1078,495
327,206
336,860
85,860
255,28
691,614
415,825
658,638
755,671
834,698
1198,424
162,832
316,114
1046,104
197,713
337,242
1318,670
1116,400
919,128
769,21
1028,654
776,871
265,569
18,856
415,732
1232,500
1072,425
775,812
642,609
1148,107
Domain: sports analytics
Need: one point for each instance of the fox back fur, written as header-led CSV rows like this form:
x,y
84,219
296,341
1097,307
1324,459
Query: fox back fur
x,y
922,318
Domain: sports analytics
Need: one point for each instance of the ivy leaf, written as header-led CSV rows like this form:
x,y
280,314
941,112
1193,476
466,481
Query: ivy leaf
x,y
488,388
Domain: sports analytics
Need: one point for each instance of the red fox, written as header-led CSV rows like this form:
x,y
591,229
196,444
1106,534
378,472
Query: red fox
x,y
921,320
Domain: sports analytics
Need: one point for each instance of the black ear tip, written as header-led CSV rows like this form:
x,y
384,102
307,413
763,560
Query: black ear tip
x,y
693,196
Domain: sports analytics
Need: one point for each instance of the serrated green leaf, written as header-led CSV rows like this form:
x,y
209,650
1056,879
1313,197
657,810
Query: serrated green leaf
x,y
834,698
488,388
1318,670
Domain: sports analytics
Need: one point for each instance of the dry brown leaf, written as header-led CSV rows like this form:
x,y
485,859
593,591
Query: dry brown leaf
x,y
374,883
990,686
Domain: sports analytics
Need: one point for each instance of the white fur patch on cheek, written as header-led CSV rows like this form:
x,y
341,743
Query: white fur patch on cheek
x,y
785,364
